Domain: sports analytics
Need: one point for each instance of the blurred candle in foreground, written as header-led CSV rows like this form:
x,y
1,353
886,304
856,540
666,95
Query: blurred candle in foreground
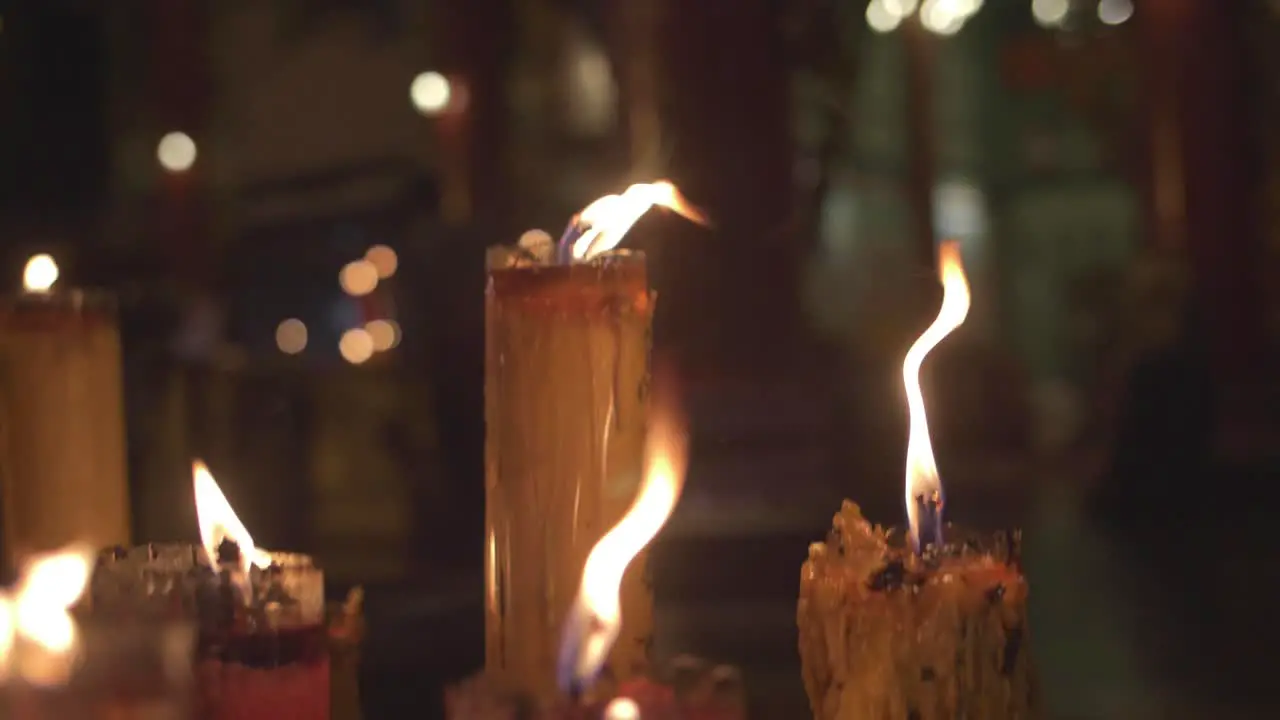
x,y
58,666
62,434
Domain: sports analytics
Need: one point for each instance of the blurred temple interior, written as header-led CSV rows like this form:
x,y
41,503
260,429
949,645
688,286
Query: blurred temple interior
x,y
292,201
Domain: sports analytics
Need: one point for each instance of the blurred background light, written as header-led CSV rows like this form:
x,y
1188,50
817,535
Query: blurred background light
x,y
430,93
356,346
176,152
291,336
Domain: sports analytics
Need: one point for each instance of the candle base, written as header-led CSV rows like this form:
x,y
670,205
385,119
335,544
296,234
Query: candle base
x,y
884,634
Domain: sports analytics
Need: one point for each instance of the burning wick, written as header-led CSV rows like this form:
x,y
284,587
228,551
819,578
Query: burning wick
x,y
596,615
224,537
923,486
600,226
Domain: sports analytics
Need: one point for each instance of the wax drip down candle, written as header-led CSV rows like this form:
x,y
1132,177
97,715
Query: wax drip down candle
x,y
263,643
567,331
926,627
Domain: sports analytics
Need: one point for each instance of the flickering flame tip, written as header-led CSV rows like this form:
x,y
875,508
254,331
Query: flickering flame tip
x,y
923,486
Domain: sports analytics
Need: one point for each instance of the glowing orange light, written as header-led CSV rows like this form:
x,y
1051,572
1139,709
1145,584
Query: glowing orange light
x,y
218,522
922,470
40,612
608,219
596,615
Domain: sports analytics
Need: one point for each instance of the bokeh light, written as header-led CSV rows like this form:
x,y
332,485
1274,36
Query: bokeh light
x,y
430,93
1050,13
291,336
176,152
40,273
384,259
385,334
358,277
1114,12
356,346
622,708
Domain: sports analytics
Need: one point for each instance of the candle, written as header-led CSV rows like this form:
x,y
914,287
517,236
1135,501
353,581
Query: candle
x,y
566,370
923,627
263,643
586,684
62,415
56,665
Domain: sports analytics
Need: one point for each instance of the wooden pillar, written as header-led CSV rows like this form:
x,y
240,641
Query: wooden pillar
x,y
180,91
723,81
477,41
922,138
1200,194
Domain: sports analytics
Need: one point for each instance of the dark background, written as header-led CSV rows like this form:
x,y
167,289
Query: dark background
x,y
1114,186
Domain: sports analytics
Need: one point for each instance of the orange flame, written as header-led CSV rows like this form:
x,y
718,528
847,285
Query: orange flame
x,y
596,616
40,611
608,219
922,469
218,522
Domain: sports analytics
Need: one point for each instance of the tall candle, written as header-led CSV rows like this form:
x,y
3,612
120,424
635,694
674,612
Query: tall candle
x,y
62,433
566,373
567,362
919,627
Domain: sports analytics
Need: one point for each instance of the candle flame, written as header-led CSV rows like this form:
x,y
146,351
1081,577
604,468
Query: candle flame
x,y
218,522
596,615
604,222
40,609
923,486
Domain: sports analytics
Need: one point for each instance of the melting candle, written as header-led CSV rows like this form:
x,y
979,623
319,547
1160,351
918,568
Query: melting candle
x,y
923,486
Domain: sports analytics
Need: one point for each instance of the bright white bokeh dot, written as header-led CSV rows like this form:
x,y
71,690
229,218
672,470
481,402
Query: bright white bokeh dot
x,y
176,152
880,18
623,708
1114,12
40,273
430,93
1049,13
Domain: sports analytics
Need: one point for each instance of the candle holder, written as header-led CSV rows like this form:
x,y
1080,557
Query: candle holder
x,y
262,648
118,670
566,373
62,416
887,634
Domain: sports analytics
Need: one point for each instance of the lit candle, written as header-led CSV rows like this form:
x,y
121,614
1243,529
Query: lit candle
x,y
264,641
566,374
62,402
55,665
929,630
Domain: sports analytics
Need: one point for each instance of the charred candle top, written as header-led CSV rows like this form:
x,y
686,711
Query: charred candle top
x,y
923,486
597,229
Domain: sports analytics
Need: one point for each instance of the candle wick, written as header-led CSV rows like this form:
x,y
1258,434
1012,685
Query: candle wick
x,y
930,526
565,247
